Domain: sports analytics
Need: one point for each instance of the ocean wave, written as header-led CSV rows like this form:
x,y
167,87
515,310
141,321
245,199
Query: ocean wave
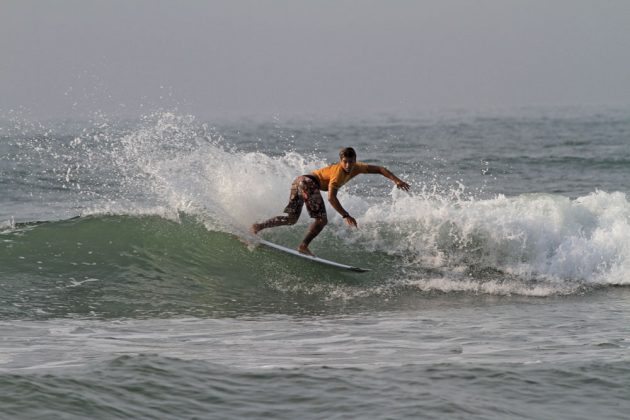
x,y
171,198
533,245
532,237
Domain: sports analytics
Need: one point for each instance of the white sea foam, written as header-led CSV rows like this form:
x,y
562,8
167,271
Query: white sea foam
x,y
535,236
7,225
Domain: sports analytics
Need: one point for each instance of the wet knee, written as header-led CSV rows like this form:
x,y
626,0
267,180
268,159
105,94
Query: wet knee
x,y
292,220
323,221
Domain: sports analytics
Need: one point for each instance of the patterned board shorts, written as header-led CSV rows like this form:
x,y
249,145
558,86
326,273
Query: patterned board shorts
x,y
305,190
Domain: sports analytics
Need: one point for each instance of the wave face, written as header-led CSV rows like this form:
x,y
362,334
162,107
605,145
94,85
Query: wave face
x,y
144,219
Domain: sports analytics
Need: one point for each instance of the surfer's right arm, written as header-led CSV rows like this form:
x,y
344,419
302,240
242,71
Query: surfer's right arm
x,y
334,202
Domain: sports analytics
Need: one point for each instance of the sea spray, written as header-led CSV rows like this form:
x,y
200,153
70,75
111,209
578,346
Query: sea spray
x,y
191,169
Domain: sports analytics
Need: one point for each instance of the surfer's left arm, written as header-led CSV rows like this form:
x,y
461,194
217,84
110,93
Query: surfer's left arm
x,y
374,169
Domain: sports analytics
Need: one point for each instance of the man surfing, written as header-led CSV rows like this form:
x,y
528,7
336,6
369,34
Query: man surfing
x,y
305,190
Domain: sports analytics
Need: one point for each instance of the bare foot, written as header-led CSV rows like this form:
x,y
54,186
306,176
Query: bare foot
x,y
303,249
255,228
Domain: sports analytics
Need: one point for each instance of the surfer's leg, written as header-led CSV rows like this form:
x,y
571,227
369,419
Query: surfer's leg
x,y
293,210
317,210
275,221
313,230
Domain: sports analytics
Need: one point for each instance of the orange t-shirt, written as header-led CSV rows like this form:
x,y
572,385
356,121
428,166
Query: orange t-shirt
x,y
333,176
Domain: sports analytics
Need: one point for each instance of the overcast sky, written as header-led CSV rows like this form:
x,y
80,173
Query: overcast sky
x,y
263,57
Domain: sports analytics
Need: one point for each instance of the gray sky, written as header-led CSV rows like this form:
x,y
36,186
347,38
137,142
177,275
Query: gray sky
x,y
232,58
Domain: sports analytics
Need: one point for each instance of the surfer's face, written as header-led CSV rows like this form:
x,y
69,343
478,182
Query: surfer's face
x,y
347,164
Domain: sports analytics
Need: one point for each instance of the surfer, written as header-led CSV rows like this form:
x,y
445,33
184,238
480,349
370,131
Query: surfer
x,y
305,190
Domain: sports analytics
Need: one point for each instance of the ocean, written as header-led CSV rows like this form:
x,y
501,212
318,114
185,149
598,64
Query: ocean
x,y
499,286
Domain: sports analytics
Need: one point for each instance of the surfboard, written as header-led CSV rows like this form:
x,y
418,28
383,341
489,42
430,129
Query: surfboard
x,y
311,258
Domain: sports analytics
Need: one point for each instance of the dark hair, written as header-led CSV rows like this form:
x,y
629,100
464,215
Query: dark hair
x,y
348,153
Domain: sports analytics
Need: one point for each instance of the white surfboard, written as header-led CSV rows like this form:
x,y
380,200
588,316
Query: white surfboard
x,y
311,258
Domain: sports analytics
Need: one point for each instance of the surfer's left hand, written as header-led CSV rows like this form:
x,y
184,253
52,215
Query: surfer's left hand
x,y
402,185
